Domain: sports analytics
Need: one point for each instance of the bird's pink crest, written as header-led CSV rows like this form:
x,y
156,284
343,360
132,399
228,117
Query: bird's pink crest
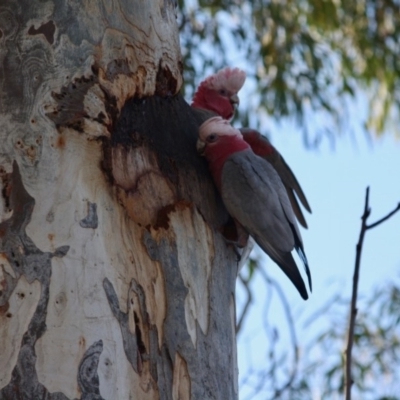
x,y
219,126
218,92
231,79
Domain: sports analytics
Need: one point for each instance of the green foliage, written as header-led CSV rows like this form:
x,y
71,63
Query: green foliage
x,y
306,56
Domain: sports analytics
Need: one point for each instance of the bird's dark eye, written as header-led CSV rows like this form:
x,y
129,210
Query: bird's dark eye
x,y
222,92
212,137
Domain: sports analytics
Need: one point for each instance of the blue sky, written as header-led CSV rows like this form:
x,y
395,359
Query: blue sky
x,y
334,181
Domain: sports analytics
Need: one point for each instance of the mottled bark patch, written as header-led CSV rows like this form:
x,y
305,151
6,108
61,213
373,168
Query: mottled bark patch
x,y
91,220
88,379
129,339
181,380
69,109
27,260
117,67
166,84
163,219
141,188
134,324
46,29
195,250
188,377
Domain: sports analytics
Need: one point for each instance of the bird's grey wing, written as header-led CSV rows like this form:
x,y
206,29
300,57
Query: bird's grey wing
x,y
255,196
287,209
289,179
296,206
252,190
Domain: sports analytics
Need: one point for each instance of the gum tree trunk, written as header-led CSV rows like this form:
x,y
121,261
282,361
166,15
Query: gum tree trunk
x,y
114,280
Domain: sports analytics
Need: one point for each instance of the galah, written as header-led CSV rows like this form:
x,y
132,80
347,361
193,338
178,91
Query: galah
x,y
218,92
254,196
215,94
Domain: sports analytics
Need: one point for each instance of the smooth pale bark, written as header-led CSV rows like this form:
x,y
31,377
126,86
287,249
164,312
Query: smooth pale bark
x,y
114,280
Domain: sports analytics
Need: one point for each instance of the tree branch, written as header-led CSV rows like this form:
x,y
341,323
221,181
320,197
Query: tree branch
x,y
353,307
249,300
384,218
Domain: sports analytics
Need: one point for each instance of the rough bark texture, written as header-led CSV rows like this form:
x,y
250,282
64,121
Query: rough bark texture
x,y
114,280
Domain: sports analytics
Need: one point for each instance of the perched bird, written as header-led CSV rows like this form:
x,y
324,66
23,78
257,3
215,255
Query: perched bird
x,y
254,196
209,97
218,92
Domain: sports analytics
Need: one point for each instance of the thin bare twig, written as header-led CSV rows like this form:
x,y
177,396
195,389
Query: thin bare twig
x,y
384,218
249,300
353,306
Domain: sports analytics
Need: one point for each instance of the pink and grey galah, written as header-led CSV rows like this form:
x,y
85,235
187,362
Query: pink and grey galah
x,y
219,94
254,195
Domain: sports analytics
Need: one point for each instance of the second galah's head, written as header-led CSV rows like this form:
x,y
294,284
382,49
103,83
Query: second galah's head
x,y
218,133
218,92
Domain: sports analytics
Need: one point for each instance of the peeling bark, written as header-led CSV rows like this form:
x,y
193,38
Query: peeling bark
x,y
115,282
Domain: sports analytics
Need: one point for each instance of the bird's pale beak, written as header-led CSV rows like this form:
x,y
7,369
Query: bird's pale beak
x,y
234,99
200,146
